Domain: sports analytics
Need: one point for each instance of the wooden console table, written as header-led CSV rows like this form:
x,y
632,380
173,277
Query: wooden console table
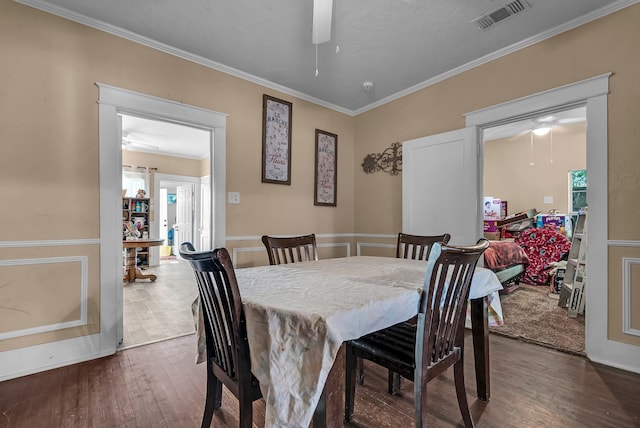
x,y
131,268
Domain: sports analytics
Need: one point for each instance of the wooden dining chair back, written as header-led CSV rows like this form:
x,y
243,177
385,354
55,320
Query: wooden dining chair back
x,y
228,360
291,249
420,352
417,247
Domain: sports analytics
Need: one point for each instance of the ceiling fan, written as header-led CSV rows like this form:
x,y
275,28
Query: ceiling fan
x,y
539,126
133,144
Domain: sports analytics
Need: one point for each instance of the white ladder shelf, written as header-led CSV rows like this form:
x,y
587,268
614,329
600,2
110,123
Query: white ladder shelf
x,y
572,295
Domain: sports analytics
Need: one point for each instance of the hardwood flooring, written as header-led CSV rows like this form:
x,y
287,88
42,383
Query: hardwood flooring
x,y
159,385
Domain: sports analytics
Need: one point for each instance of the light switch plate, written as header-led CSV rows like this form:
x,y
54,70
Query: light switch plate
x,y
548,199
233,197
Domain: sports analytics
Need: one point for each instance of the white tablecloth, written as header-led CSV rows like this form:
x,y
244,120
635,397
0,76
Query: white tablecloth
x,y
299,314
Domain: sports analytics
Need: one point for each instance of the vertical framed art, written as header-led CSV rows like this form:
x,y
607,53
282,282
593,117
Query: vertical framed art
x,y
276,140
326,169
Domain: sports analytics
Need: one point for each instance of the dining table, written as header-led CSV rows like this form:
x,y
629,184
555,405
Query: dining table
x,y
131,269
298,316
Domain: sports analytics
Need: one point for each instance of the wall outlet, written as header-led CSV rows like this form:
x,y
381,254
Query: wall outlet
x,y
233,197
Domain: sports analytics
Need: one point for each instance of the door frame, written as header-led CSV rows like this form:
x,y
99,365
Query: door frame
x,y
113,101
195,182
591,93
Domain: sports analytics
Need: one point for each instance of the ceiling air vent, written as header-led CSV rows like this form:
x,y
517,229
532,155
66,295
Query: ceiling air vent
x,y
487,20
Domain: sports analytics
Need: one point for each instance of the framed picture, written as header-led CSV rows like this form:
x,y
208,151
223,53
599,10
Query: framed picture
x,y
171,198
326,170
276,140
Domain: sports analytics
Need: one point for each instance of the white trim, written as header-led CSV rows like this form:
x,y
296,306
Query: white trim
x,y
112,102
593,94
376,235
84,275
131,101
603,11
570,94
38,358
49,243
359,246
145,41
346,245
622,243
318,235
197,208
626,296
236,251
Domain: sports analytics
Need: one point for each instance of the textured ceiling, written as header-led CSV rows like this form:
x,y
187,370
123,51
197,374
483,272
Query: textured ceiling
x,y
399,45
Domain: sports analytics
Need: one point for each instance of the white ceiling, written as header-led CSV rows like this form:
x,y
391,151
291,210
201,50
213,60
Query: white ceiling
x,y
399,45
164,138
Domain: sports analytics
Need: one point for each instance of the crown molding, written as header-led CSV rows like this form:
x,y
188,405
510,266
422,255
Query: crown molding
x,y
117,31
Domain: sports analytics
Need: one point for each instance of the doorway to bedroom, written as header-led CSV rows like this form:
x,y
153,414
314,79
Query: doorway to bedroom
x,y
531,166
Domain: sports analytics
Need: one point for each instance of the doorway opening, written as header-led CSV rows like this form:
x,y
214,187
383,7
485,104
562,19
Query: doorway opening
x,y
176,157
528,168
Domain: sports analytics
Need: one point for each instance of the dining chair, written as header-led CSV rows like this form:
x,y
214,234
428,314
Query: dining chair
x,y
419,352
291,249
416,247
227,347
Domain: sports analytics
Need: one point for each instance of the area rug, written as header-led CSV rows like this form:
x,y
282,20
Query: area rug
x,y
532,314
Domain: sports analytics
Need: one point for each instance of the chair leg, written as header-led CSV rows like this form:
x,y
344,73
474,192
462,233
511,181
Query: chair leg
x,y
420,403
461,393
245,407
351,363
394,383
213,400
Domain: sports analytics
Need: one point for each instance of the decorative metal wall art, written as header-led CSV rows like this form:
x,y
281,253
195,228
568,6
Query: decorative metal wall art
x,y
388,161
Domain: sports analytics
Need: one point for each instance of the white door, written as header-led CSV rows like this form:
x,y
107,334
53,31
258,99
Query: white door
x,y
163,217
183,228
440,188
205,215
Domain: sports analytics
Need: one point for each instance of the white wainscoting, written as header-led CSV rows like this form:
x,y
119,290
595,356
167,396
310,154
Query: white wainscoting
x,y
84,274
236,251
362,241
627,264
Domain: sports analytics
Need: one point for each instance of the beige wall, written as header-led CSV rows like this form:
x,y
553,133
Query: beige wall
x,y
49,135
509,176
604,45
49,166
167,164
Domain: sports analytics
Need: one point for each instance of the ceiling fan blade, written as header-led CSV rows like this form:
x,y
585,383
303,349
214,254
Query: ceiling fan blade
x,y
129,142
570,120
322,14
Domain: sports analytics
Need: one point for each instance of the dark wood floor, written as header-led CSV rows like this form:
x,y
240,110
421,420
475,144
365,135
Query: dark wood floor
x,y
159,385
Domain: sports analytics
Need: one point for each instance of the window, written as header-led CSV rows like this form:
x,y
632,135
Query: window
x,y
133,181
577,190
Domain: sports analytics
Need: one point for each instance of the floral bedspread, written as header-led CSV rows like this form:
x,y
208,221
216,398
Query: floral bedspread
x,y
543,246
